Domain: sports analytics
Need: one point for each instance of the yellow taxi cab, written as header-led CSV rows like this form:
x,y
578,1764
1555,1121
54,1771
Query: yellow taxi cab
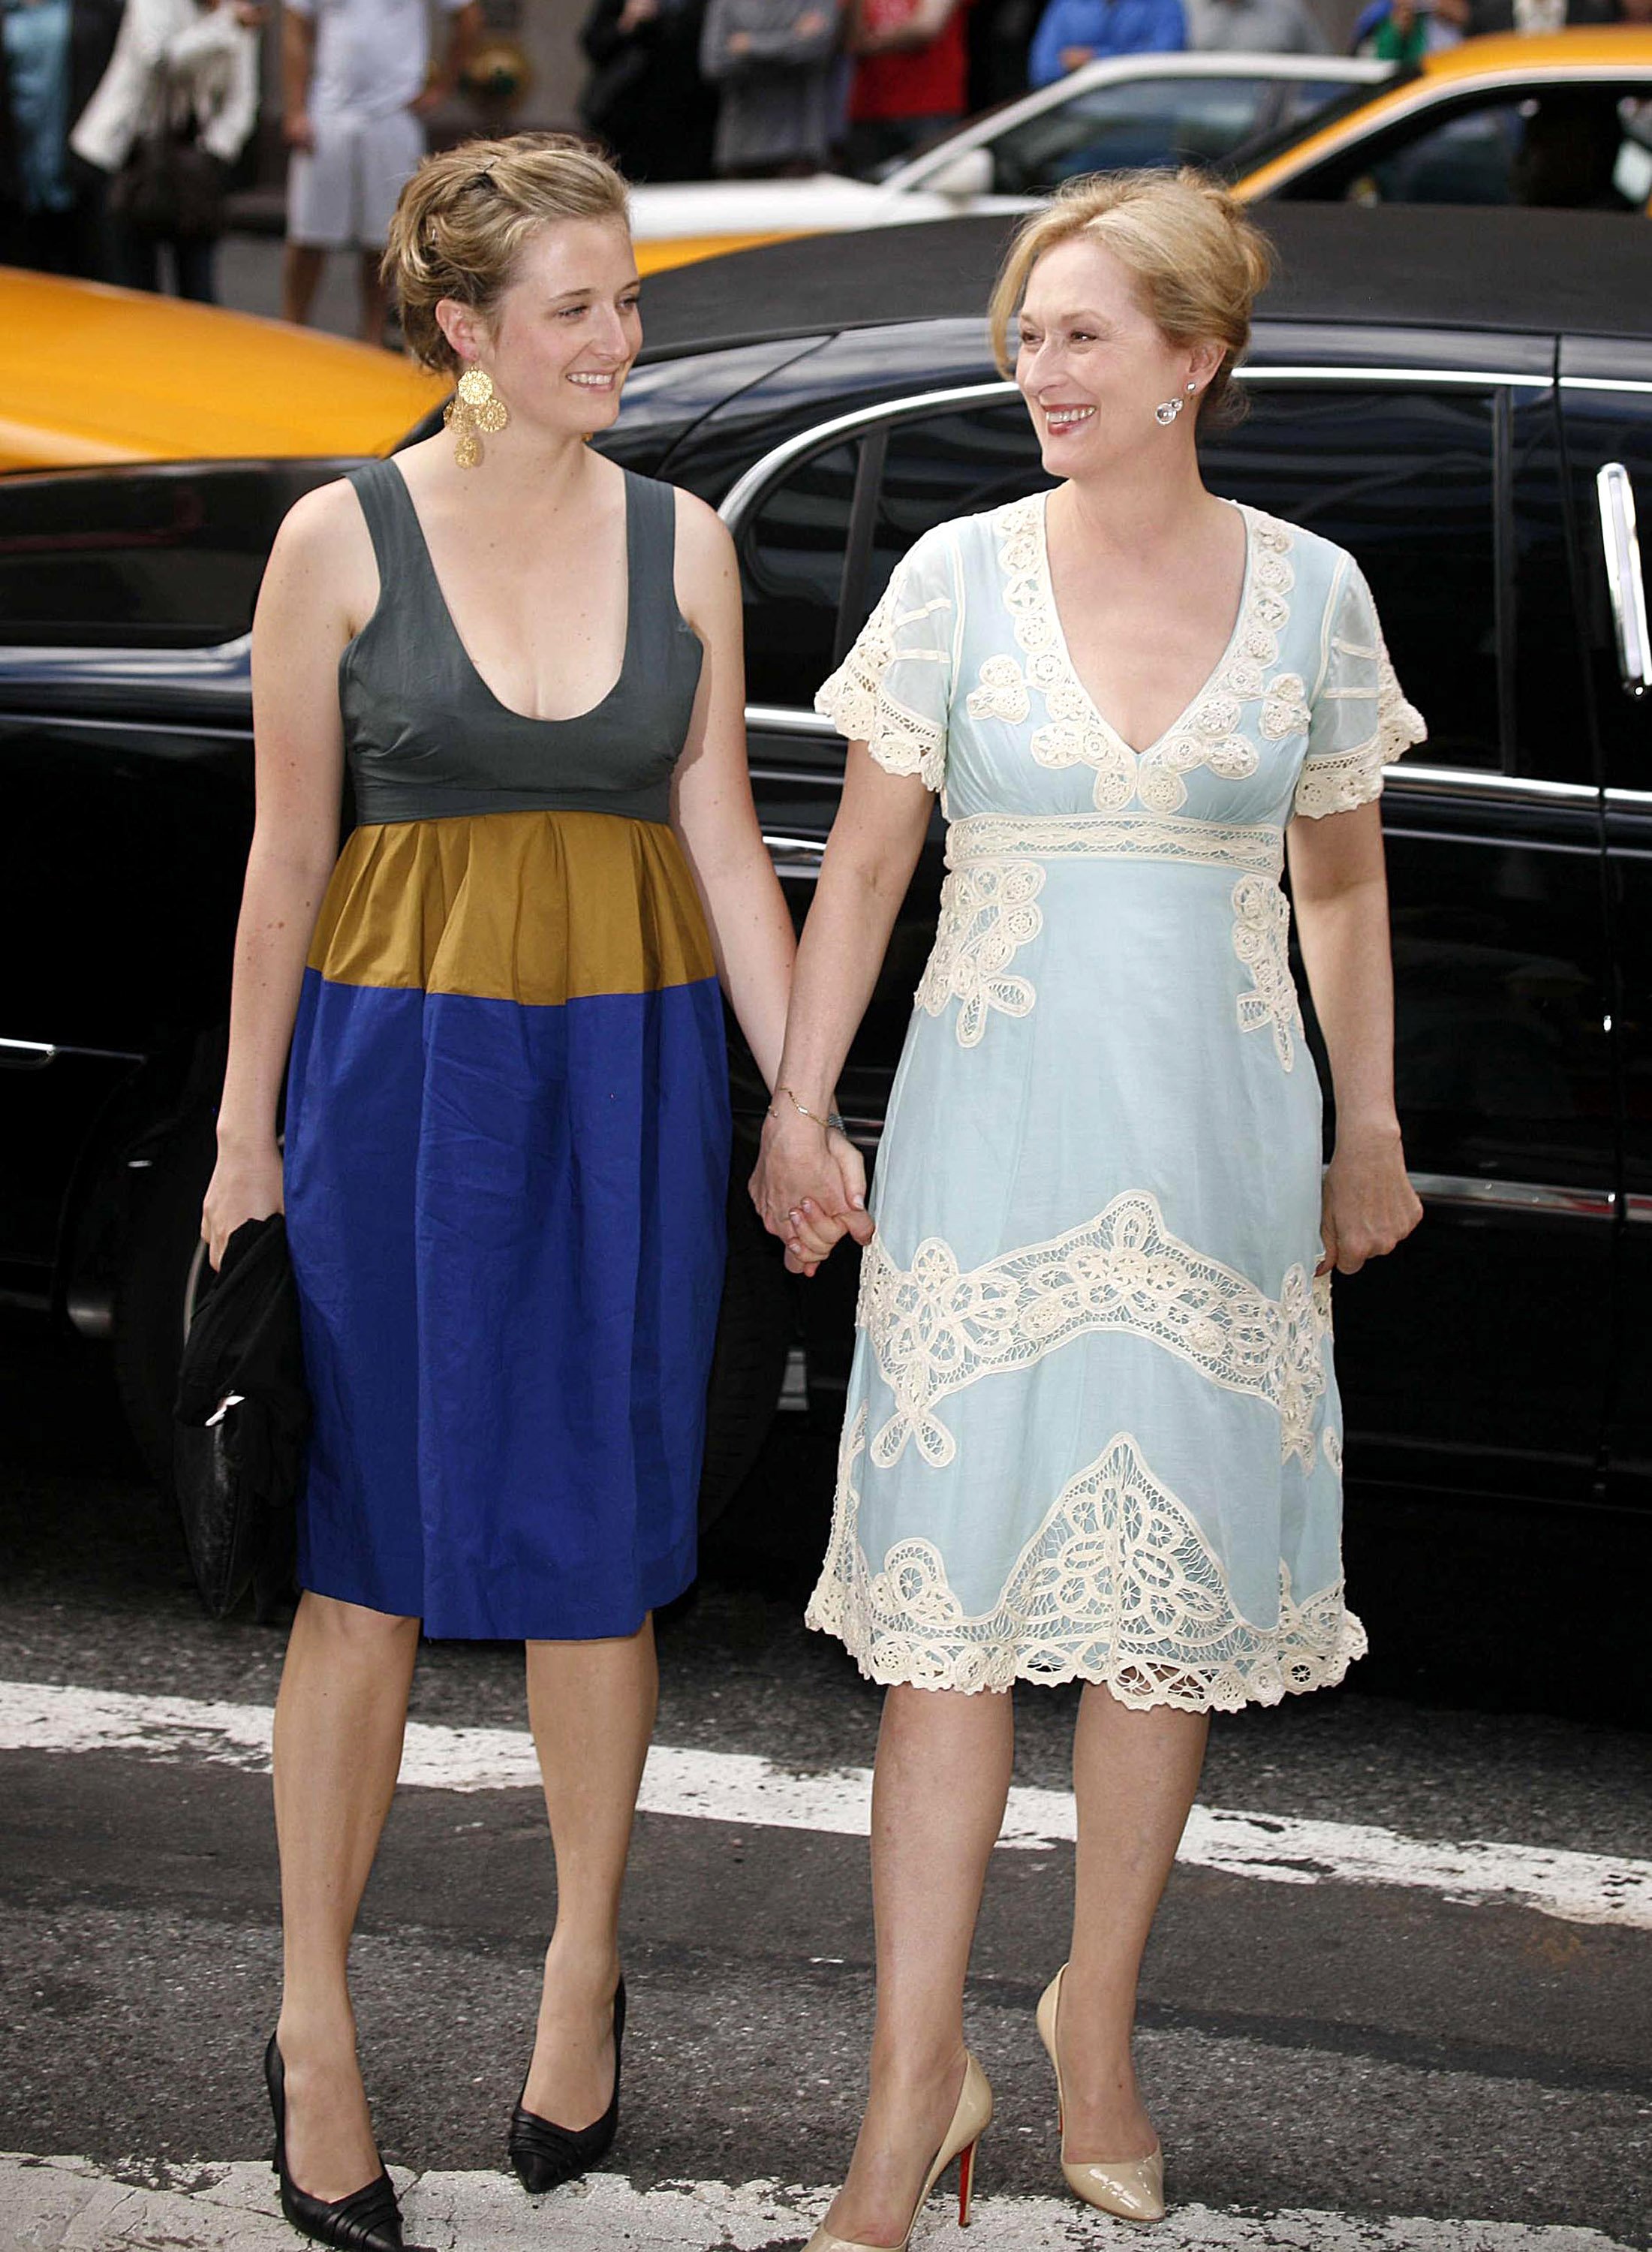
x,y
90,374
1561,120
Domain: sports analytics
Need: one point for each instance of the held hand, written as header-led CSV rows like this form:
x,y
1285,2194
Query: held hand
x,y
1073,59
810,1189
1369,1204
297,130
246,1185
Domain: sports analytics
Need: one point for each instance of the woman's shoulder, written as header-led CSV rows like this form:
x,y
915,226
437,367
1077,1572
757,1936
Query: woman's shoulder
x,y
1316,565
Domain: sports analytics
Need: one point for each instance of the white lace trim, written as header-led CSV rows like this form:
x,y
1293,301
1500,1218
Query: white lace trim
x,y
935,1328
1206,734
1256,845
1337,781
1261,940
1117,1585
860,704
987,913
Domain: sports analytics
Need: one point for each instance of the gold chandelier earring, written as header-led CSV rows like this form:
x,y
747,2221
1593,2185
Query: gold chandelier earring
x,y
475,411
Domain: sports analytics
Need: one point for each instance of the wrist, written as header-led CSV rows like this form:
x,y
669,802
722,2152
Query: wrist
x,y
1372,1130
237,1139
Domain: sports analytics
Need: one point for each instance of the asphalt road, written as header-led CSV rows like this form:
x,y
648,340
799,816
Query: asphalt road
x,y
1408,2004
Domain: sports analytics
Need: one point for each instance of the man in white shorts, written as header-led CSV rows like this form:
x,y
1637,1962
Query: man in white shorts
x,y
357,85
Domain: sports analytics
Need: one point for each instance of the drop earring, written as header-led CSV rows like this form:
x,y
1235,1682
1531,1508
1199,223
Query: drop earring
x,y
474,411
1168,411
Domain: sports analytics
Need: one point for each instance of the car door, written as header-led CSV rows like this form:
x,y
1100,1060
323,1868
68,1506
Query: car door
x,y
1475,1358
1607,391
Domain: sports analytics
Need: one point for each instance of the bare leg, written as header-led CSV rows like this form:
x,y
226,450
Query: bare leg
x,y
942,1777
1135,1774
301,267
591,1705
339,1719
372,299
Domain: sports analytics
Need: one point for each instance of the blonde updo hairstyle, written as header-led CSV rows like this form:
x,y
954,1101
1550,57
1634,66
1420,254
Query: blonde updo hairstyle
x,y
464,217
1197,261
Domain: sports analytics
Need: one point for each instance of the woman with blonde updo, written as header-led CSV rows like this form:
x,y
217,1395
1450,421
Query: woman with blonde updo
x,y
1092,1429
507,1105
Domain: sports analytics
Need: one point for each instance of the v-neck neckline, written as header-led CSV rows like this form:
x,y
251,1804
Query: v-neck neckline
x,y
508,710
1058,634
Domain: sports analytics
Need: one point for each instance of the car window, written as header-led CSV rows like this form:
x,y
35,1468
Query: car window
x,y
791,551
942,466
1406,481
1575,149
1167,121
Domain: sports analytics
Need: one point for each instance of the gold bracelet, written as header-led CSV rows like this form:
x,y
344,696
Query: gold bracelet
x,y
829,1121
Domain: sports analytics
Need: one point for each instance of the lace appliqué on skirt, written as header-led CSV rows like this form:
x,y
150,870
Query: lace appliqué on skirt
x,y
1261,940
935,1328
987,912
1117,1585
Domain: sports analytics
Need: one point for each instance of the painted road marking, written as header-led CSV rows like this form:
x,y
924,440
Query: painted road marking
x,y
67,2205
742,1791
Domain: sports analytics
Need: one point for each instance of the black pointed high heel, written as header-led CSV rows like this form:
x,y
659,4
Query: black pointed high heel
x,y
544,2154
367,2221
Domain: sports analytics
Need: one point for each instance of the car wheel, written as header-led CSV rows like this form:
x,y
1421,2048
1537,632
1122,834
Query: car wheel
x,y
754,1332
164,1274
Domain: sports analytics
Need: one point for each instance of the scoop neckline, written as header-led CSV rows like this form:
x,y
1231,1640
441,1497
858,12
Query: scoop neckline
x,y
508,710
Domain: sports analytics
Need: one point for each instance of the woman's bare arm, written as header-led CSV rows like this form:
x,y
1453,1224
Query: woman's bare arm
x,y
1341,895
873,849
303,623
712,809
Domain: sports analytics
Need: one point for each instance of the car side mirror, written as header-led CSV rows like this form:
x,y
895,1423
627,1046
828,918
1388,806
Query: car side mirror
x,y
968,173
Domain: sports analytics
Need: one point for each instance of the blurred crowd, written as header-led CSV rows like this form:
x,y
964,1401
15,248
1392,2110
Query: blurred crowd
x,y
123,121
762,88
123,124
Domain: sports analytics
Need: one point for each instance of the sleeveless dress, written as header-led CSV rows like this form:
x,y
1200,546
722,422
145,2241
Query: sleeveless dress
x,y
507,1129
1092,1428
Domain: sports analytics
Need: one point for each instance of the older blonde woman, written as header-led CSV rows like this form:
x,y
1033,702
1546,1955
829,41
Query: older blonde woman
x,y
1092,1429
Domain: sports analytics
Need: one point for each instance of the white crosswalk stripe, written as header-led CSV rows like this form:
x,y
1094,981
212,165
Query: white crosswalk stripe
x,y
67,2205
742,1789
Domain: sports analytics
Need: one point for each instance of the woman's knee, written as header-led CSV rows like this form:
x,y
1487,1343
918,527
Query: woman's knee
x,y
354,1626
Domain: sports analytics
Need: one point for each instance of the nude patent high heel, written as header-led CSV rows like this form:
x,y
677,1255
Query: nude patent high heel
x,y
1131,2188
969,2123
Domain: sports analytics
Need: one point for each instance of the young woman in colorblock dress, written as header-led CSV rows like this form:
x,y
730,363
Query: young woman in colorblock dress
x,y
1092,1428
507,1114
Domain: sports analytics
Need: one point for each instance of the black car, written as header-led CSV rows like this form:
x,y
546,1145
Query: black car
x,y
1464,398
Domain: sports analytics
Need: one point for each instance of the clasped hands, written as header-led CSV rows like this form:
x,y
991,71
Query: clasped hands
x,y
810,1189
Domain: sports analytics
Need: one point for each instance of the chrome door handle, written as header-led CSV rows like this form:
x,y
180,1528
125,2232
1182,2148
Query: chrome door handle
x,y
1624,582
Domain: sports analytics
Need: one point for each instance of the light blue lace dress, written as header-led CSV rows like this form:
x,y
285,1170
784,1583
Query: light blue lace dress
x,y
1092,1428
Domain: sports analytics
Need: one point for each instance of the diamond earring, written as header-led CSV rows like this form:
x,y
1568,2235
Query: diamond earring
x,y
475,409
1168,411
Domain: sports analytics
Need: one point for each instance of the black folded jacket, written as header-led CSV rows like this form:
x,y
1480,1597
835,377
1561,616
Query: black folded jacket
x,y
242,1418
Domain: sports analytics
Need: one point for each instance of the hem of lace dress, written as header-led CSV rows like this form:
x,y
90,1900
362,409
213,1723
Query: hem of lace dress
x,y
1141,1685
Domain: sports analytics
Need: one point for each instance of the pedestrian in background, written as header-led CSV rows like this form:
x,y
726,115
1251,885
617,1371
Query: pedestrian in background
x,y
507,1121
645,100
1093,1430
1259,27
1402,32
357,86
777,65
172,113
1073,32
911,71
52,55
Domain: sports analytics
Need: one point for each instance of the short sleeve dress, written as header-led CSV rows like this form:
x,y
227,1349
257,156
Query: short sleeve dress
x,y
508,1128
1092,1427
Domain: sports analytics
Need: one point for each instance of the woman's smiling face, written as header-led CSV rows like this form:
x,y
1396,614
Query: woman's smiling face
x,y
1093,364
566,333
